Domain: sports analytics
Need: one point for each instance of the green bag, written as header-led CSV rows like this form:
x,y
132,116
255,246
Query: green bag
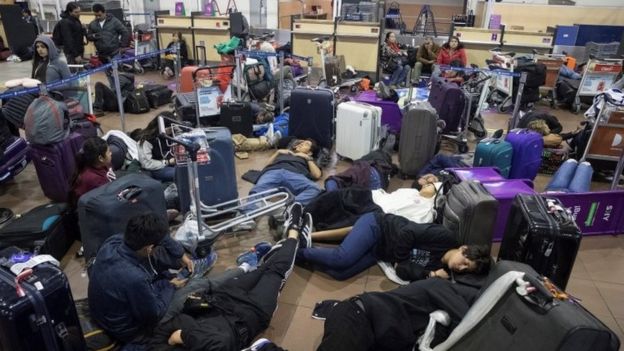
x,y
229,46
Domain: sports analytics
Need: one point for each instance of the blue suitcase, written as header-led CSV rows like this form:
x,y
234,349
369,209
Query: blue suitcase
x,y
527,153
492,152
449,101
217,179
312,115
14,159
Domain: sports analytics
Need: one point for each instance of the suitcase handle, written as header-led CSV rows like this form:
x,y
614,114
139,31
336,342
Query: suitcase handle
x,y
210,68
540,297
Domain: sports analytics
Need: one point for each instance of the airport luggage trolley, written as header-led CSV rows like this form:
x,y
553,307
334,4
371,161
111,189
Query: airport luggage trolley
x,y
598,76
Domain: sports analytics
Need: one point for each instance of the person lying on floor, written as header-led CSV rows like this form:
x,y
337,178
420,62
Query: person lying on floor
x,y
372,171
132,298
417,250
293,168
394,320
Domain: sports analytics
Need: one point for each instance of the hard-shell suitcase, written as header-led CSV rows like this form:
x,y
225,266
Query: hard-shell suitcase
x,y
157,95
217,179
55,165
494,152
504,191
449,100
44,317
470,212
14,159
185,106
237,117
47,229
541,233
105,211
419,137
312,115
391,114
481,174
357,129
527,153
136,102
536,321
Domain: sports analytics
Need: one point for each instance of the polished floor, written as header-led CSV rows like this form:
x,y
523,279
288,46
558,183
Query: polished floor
x,y
597,279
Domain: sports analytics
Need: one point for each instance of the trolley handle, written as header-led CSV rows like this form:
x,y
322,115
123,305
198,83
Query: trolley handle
x,y
192,148
210,68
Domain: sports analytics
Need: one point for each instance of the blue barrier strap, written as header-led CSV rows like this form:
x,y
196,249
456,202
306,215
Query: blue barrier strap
x,y
496,72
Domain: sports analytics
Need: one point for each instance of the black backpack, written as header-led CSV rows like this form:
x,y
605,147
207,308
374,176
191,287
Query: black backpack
x,y
136,102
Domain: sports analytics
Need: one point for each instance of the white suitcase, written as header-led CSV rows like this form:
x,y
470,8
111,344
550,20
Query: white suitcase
x,y
358,127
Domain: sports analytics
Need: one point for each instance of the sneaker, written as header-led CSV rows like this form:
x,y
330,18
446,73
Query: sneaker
x,y
250,257
305,234
273,249
258,345
201,266
292,218
262,248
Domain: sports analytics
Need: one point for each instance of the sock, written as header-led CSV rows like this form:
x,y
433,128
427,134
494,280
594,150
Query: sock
x,y
246,267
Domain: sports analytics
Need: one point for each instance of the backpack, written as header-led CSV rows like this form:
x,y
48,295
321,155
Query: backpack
x,y
46,121
136,102
57,38
259,86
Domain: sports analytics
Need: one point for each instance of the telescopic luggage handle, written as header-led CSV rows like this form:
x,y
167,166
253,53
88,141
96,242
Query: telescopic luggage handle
x,y
210,68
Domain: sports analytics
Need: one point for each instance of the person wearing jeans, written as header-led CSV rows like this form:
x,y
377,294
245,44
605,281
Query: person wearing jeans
x,y
572,177
374,181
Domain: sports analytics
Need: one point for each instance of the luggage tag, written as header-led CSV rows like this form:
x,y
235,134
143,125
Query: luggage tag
x,y
33,262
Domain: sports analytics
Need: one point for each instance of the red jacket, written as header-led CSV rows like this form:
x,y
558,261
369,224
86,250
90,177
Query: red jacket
x,y
445,57
90,179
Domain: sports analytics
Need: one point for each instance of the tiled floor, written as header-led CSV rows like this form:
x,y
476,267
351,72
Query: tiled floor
x,y
597,279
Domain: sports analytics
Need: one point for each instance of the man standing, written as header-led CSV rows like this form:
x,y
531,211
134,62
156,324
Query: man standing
x,y
108,34
70,34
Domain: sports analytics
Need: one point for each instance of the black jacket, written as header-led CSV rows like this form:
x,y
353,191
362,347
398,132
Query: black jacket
x,y
340,208
400,236
400,316
110,38
72,34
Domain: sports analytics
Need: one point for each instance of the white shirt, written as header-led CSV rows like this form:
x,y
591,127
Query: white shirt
x,y
406,202
102,23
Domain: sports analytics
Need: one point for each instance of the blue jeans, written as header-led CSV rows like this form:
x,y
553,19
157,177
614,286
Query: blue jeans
x,y
354,255
373,183
303,188
399,75
165,174
572,177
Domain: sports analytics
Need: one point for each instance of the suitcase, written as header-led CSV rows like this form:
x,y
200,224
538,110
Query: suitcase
x,y
84,126
105,211
391,114
470,212
217,179
419,137
136,102
237,117
494,152
541,233
186,110
312,115
55,165
448,99
14,159
187,83
537,321
527,153
157,95
357,129
47,229
504,191
45,317
480,174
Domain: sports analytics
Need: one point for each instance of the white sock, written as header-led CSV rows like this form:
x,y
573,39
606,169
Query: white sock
x,y
246,267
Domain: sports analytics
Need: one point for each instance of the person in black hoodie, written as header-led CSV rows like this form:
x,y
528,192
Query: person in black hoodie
x,y
71,34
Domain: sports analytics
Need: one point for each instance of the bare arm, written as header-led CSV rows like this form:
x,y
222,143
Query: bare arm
x,y
315,171
331,234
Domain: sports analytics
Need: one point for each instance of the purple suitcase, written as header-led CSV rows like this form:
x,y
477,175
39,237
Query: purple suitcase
x,y
482,174
505,191
448,99
391,114
55,165
595,213
14,159
527,153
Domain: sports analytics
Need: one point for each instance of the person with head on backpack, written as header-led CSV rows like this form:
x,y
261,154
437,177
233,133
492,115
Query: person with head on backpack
x,y
154,154
69,34
107,33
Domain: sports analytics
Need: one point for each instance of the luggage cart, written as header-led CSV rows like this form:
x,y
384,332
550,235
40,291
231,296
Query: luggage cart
x,y
553,64
236,211
598,76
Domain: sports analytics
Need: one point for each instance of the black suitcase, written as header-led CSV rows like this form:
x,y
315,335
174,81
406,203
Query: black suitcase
x,y
470,212
419,137
105,211
47,229
536,321
186,110
157,95
237,117
45,317
541,233
136,102
312,115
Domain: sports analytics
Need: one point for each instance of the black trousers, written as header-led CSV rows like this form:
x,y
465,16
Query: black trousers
x,y
347,329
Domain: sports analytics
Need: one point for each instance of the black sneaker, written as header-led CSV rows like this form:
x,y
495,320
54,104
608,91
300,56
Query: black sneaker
x,y
305,234
292,218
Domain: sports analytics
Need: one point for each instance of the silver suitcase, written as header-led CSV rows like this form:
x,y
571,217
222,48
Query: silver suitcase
x,y
357,129
419,136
